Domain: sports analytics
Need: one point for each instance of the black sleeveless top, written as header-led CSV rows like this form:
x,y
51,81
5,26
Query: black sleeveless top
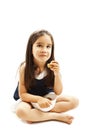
x,y
38,88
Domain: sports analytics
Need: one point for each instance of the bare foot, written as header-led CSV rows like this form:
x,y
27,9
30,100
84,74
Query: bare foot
x,y
65,118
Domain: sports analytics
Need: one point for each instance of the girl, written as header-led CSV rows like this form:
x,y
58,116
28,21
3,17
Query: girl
x,y
39,76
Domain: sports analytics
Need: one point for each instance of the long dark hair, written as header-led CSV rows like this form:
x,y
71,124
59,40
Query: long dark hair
x,y
30,66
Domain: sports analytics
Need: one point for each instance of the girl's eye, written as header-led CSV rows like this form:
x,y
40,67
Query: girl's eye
x,y
48,46
39,45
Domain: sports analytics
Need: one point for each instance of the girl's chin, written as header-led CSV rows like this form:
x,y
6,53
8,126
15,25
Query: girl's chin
x,y
43,60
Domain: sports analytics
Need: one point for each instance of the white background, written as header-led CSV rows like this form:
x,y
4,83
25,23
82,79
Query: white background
x,y
67,22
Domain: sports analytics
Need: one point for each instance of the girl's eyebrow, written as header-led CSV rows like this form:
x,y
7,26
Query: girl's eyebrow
x,y
50,44
39,43
43,43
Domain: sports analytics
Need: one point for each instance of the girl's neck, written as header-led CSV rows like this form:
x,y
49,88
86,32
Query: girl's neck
x,y
40,67
39,70
39,74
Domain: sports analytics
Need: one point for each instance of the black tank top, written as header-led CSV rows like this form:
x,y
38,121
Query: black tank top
x,y
38,88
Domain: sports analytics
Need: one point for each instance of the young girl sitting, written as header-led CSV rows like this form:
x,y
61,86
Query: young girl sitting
x,y
40,86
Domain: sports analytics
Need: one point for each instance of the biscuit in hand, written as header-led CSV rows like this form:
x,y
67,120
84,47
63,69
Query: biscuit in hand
x,y
48,65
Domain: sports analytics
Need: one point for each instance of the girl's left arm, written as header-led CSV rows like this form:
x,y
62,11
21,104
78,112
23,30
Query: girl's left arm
x,y
58,86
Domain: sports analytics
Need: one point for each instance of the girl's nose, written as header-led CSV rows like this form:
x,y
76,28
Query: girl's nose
x,y
44,49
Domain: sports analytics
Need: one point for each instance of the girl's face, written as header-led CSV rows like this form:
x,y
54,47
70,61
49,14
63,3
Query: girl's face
x,y
42,49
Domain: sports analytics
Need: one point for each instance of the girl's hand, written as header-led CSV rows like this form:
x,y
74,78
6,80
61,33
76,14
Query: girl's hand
x,y
44,102
54,66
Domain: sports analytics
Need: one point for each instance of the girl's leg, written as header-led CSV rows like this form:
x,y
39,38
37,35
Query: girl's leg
x,y
25,112
65,103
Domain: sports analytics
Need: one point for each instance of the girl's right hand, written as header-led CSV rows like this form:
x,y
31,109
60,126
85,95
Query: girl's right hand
x,y
44,102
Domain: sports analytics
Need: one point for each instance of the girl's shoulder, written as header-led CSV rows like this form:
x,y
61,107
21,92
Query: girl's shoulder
x,y
20,71
22,67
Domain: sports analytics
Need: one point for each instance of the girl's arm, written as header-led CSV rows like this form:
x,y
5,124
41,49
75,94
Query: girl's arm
x,y
58,84
26,97
54,66
22,90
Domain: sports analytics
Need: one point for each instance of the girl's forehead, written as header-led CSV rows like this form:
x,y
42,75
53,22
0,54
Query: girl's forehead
x,y
45,38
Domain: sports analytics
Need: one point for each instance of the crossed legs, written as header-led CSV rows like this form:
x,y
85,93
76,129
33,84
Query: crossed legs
x,y
63,104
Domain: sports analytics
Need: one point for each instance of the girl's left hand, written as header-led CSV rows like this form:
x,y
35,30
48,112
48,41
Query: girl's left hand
x,y
54,66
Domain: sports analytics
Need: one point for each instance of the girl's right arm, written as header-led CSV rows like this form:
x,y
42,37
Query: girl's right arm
x,y
22,90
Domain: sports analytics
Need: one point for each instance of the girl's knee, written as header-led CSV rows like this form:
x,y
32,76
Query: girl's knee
x,y
75,102
20,112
